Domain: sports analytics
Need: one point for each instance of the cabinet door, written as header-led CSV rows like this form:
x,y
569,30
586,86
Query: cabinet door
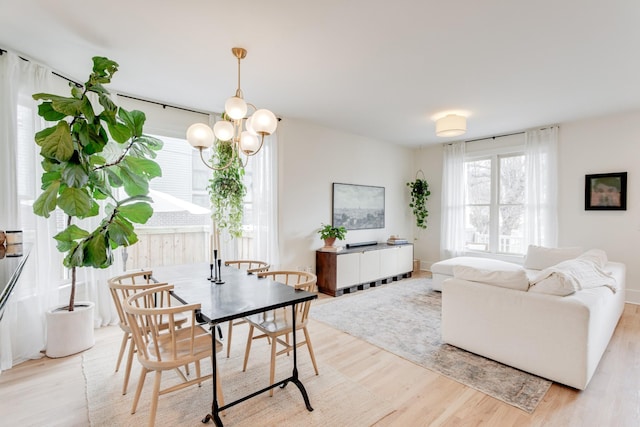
x,y
347,270
370,266
388,262
405,259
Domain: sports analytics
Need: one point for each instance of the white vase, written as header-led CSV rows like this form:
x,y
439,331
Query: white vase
x,y
70,332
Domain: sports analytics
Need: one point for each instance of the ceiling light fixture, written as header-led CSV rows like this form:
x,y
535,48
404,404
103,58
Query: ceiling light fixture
x,y
246,134
451,125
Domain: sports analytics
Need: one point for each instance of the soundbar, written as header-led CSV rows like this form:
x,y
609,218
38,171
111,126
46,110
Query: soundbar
x,y
359,244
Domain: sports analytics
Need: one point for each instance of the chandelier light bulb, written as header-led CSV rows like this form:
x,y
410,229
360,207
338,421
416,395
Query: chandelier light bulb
x,y
249,143
235,107
200,135
223,130
264,122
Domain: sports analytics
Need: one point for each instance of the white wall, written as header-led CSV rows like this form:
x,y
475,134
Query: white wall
x,y
314,157
599,145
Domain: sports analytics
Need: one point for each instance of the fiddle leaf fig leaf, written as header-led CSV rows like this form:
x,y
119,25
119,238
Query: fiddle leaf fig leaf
x,y
119,132
56,143
74,175
46,111
95,251
133,119
134,184
121,232
139,212
75,201
47,201
67,237
147,167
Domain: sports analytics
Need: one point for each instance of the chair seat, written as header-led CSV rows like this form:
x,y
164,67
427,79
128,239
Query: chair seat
x,y
280,323
184,347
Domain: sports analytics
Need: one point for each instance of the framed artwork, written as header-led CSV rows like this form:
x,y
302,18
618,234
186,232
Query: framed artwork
x,y
358,207
605,192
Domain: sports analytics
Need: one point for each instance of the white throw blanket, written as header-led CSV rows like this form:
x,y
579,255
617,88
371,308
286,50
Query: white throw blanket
x,y
573,275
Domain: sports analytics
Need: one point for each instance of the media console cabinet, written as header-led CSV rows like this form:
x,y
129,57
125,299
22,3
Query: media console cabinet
x,y
359,268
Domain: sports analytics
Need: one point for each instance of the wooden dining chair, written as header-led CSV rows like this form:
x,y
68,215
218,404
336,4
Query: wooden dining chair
x,y
161,348
121,288
251,267
276,324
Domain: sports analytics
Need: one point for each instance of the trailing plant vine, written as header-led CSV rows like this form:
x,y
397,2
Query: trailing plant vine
x,y
227,190
419,195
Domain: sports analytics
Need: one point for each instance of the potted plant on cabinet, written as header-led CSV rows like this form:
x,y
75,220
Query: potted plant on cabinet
x,y
329,234
86,156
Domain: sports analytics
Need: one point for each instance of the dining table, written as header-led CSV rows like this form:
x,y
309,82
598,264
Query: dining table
x,y
227,293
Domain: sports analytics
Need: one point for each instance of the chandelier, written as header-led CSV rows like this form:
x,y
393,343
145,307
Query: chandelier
x,y
245,134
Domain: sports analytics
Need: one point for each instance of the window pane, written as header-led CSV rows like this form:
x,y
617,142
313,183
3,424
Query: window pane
x,y
511,229
477,228
478,181
512,180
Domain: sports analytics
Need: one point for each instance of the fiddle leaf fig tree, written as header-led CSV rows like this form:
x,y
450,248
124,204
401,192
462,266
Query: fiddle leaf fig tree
x,y
419,195
227,189
86,156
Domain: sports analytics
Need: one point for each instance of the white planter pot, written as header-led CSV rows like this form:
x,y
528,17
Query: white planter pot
x,y
70,332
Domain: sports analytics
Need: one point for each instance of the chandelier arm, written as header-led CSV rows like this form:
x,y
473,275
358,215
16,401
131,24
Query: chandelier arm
x,y
252,106
217,168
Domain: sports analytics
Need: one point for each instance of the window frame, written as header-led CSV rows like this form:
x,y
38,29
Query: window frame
x,y
493,154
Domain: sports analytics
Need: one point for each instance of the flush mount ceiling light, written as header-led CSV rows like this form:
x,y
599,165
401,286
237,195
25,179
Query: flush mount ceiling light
x,y
246,134
451,125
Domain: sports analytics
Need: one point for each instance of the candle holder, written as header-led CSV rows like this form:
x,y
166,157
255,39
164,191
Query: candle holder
x,y
210,278
219,280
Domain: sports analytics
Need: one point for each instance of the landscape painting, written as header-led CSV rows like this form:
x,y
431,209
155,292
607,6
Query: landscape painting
x,y
358,207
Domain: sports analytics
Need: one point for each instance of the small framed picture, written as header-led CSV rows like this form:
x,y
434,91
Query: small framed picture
x,y
605,192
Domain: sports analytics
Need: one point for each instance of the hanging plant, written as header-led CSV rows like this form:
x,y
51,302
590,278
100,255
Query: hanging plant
x,y
419,195
227,189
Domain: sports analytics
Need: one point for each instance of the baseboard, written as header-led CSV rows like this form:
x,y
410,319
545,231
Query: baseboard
x,y
632,296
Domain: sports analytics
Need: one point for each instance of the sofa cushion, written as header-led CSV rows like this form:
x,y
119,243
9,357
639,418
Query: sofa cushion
x,y
513,278
445,267
540,257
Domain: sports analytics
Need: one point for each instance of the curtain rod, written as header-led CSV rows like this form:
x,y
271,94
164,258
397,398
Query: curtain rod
x,y
496,136
163,104
500,136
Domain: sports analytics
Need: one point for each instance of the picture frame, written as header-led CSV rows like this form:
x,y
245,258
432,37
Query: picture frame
x,y
605,192
358,207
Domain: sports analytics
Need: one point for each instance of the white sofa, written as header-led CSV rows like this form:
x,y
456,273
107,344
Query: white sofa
x,y
561,338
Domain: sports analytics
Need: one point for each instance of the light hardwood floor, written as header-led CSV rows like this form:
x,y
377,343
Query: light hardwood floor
x,y
50,392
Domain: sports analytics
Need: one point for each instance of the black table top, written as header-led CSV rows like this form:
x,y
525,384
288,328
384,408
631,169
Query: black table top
x,y
241,295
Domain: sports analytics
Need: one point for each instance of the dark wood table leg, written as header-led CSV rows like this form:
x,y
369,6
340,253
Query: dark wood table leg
x,y
215,409
294,375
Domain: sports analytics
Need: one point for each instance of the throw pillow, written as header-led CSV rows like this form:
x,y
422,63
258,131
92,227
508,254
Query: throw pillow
x,y
540,257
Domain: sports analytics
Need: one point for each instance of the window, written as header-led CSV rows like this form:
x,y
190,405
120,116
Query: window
x,y
494,203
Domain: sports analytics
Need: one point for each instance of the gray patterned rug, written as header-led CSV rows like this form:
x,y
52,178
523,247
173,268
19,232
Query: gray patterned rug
x,y
404,318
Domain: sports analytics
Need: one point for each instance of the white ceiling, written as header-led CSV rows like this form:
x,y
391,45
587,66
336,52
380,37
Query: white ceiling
x,y
383,69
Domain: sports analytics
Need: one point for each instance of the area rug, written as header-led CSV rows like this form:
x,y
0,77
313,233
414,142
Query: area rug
x,y
404,318
336,399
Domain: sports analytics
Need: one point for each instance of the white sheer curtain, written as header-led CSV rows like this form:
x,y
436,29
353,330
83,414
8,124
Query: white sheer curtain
x,y
453,188
42,284
541,191
22,329
265,202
